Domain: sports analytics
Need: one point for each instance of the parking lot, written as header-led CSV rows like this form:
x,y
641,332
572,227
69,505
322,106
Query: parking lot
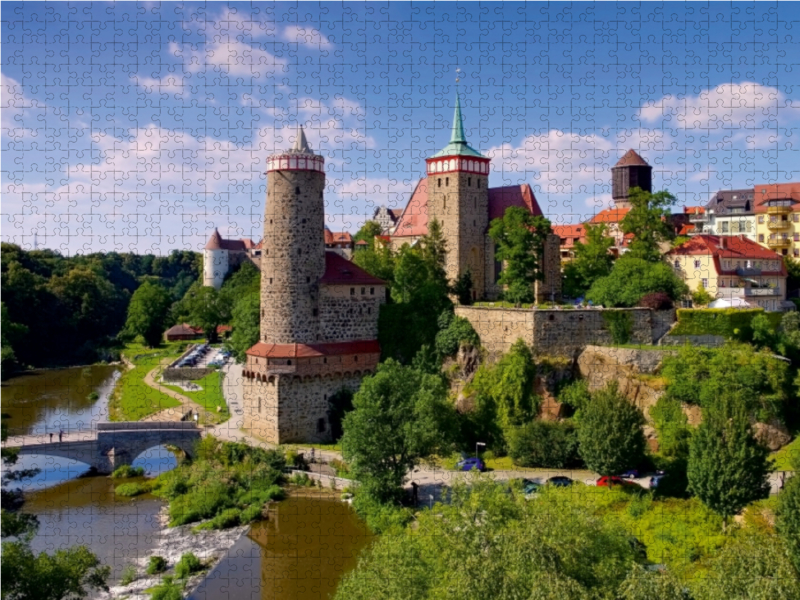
x,y
203,355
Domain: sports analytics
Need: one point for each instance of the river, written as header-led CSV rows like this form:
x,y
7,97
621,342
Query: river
x,y
301,551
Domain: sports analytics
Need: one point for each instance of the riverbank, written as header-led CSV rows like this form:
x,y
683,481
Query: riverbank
x,y
210,546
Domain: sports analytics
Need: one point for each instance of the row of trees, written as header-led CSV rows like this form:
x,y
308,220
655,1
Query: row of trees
x,y
62,310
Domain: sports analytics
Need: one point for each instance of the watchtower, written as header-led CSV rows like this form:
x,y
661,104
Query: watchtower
x,y
631,171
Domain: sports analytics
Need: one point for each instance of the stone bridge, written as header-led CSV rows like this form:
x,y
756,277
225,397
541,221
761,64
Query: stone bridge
x,y
110,445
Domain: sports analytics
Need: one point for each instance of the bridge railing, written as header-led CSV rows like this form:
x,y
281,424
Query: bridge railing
x,y
22,436
147,425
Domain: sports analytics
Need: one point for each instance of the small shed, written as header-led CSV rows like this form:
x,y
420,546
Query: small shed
x,y
184,331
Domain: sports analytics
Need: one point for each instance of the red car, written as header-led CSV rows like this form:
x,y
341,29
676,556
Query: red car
x,y
607,481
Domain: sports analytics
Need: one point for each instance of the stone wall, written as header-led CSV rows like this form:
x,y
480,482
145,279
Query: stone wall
x,y
185,373
350,312
288,408
557,332
499,328
709,341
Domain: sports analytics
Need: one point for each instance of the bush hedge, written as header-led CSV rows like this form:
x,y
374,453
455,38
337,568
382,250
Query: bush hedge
x,y
728,322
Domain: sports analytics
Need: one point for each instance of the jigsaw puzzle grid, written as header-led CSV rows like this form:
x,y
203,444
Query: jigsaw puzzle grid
x,y
144,127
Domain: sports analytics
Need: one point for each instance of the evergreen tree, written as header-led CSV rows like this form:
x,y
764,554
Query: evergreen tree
x,y
727,467
148,312
433,251
246,325
610,432
648,222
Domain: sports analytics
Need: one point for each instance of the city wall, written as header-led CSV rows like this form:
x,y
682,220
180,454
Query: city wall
x,y
564,332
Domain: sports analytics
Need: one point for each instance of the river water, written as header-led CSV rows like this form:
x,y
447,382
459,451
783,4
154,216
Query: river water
x,y
309,541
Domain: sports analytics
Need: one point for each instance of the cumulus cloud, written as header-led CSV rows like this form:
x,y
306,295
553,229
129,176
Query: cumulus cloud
x,y
172,85
18,113
306,36
236,59
730,105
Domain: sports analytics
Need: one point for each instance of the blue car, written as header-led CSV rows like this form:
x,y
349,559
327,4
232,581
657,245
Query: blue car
x,y
470,463
631,474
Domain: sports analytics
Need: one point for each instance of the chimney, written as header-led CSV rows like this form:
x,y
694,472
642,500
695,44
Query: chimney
x,y
722,242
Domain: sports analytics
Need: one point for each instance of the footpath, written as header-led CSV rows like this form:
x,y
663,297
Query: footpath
x,y
176,413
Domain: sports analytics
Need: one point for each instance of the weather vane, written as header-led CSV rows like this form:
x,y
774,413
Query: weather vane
x,y
458,75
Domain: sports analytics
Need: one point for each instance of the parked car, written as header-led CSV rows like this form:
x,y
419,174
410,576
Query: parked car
x,y
470,463
560,481
656,479
631,474
607,481
530,488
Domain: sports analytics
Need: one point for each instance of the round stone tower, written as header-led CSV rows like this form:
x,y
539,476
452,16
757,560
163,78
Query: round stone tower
x,y
630,171
293,250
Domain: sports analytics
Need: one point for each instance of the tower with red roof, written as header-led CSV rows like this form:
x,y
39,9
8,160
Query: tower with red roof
x,y
319,311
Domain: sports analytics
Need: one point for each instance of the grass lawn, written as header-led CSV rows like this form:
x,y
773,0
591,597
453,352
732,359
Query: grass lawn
x,y
210,397
133,399
783,457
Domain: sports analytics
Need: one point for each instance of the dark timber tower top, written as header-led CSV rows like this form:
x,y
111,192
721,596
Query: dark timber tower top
x,y
631,171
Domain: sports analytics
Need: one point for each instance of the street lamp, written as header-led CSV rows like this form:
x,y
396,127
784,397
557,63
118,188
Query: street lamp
x,y
476,447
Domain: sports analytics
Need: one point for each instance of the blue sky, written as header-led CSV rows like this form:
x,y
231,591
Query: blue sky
x,y
142,126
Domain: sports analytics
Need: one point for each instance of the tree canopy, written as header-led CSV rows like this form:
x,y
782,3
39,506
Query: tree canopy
x,y
400,415
592,261
633,278
648,222
610,432
520,237
148,313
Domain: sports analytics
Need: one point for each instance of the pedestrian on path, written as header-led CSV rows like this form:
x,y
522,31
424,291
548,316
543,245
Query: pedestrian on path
x,y
51,437
783,479
60,435
415,493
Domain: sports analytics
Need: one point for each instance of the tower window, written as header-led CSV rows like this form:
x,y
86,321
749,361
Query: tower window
x,y
363,291
315,312
440,182
304,221
299,251
270,280
321,426
469,181
479,183
289,362
266,251
446,182
352,291
308,279
297,191
355,359
371,291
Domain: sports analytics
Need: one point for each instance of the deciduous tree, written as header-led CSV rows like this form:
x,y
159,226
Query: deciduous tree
x,y
610,432
633,278
592,260
648,222
148,312
520,238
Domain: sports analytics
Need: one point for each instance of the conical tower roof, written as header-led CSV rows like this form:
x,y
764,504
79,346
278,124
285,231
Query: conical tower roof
x,y
631,159
215,241
458,145
301,143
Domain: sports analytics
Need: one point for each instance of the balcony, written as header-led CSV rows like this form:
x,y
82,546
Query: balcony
x,y
779,242
776,291
748,272
778,224
779,210
698,218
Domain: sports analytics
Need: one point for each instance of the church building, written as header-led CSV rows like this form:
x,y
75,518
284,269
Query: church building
x,y
456,192
319,311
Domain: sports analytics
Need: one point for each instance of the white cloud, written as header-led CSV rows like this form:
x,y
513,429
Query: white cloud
x,y
727,106
233,58
307,36
173,85
18,113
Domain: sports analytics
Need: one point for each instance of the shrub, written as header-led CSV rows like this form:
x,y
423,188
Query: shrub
x,y
633,278
453,332
187,565
656,301
619,325
156,565
720,321
131,489
672,426
251,513
128,575
126,471
167,590
230,517
341,468
545,444
575,394
93,396
301,479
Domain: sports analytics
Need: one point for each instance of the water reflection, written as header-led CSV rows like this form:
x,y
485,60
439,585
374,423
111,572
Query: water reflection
x,y
50,400
300,552
86,511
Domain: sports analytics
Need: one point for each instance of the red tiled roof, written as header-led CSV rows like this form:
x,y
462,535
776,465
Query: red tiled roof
x,y
183,329
361,243
340,271
414,221
630,159
610,215
776,191
724,247
338,237
396,213
264,350
685,229
217,242
224,328
694,210
502,198
570,234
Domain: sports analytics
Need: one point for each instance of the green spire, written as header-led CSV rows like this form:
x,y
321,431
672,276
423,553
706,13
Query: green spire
x,y
458,145
458,125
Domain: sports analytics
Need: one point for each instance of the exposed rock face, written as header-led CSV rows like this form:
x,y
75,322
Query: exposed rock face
x,y
773,434
600,365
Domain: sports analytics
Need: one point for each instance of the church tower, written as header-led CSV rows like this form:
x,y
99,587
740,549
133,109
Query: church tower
x,y
458,197
293,250
630,171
